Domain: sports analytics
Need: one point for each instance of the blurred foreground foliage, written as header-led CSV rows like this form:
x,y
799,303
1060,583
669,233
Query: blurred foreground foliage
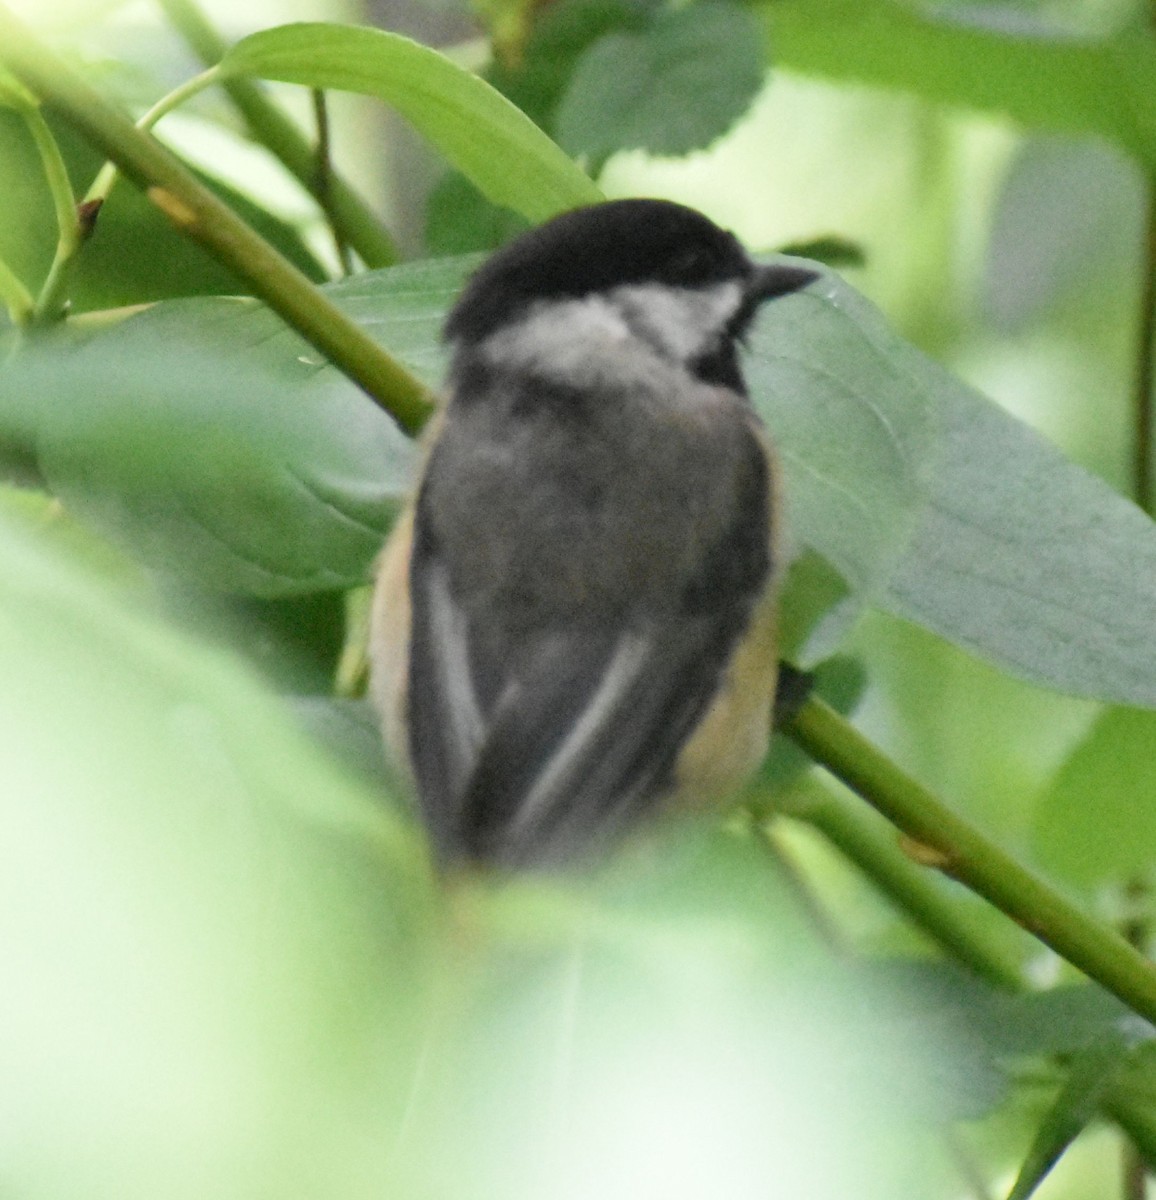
x,y
230,970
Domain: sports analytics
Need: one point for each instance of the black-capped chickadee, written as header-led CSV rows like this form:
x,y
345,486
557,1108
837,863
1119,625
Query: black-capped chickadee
x,y
574,623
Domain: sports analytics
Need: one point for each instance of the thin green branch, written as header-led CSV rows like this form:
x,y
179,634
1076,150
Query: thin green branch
x,y
107,176
1144,386
351,676
353,221
199,214
18,300
50,305
325,174
871,846
961,851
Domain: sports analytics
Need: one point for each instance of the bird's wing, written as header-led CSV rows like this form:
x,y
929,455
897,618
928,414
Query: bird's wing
x,y
533,746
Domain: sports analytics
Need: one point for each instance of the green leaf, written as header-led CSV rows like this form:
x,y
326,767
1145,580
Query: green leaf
x,y
1067,216
855,427
1089,1076
537,81
674,87
940,507
1061,1020
1073,85
1097,819
938,1011
480,132
1028,560
681,990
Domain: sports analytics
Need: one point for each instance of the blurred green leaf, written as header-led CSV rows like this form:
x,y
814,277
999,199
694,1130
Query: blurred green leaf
x,y
940,1012
1089,1076
1067,221
1096,821
215,941
666,1028
537,80
44,518
351,732
1062,1020
480,132
211,441
1074,85
831,250
676,86
816,607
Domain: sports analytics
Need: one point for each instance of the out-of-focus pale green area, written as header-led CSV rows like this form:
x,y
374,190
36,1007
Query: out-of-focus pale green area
x,y
223,973
226,971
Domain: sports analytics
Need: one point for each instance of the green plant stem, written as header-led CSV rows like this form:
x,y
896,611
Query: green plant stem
x,y
202,216
324,176
1144,447
962,852
18,300
352,220
107,176
871,845
50,305
352,673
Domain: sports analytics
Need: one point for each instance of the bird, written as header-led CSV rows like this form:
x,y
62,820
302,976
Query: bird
x,y
573,624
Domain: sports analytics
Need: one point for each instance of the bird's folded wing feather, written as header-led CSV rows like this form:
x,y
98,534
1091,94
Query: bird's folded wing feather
x,y
535,747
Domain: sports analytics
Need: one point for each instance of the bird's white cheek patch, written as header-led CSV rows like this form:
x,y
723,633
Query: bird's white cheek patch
x,y
680,322
567,340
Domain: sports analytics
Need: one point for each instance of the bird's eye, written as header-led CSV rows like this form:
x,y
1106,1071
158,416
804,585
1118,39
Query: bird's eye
x,y
688,263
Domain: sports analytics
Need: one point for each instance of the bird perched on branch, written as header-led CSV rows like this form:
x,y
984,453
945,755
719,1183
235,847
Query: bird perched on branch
x,y
574,622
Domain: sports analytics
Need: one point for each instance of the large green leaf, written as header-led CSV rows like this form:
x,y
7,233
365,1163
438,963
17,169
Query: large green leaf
x,y
1103,86
1027,559
855,427
480,132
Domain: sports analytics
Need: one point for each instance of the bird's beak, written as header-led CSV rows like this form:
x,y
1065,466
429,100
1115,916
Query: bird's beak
x,y
778,279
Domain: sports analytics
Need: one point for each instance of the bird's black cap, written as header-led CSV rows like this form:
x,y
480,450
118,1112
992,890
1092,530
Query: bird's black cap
x,y
595,249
